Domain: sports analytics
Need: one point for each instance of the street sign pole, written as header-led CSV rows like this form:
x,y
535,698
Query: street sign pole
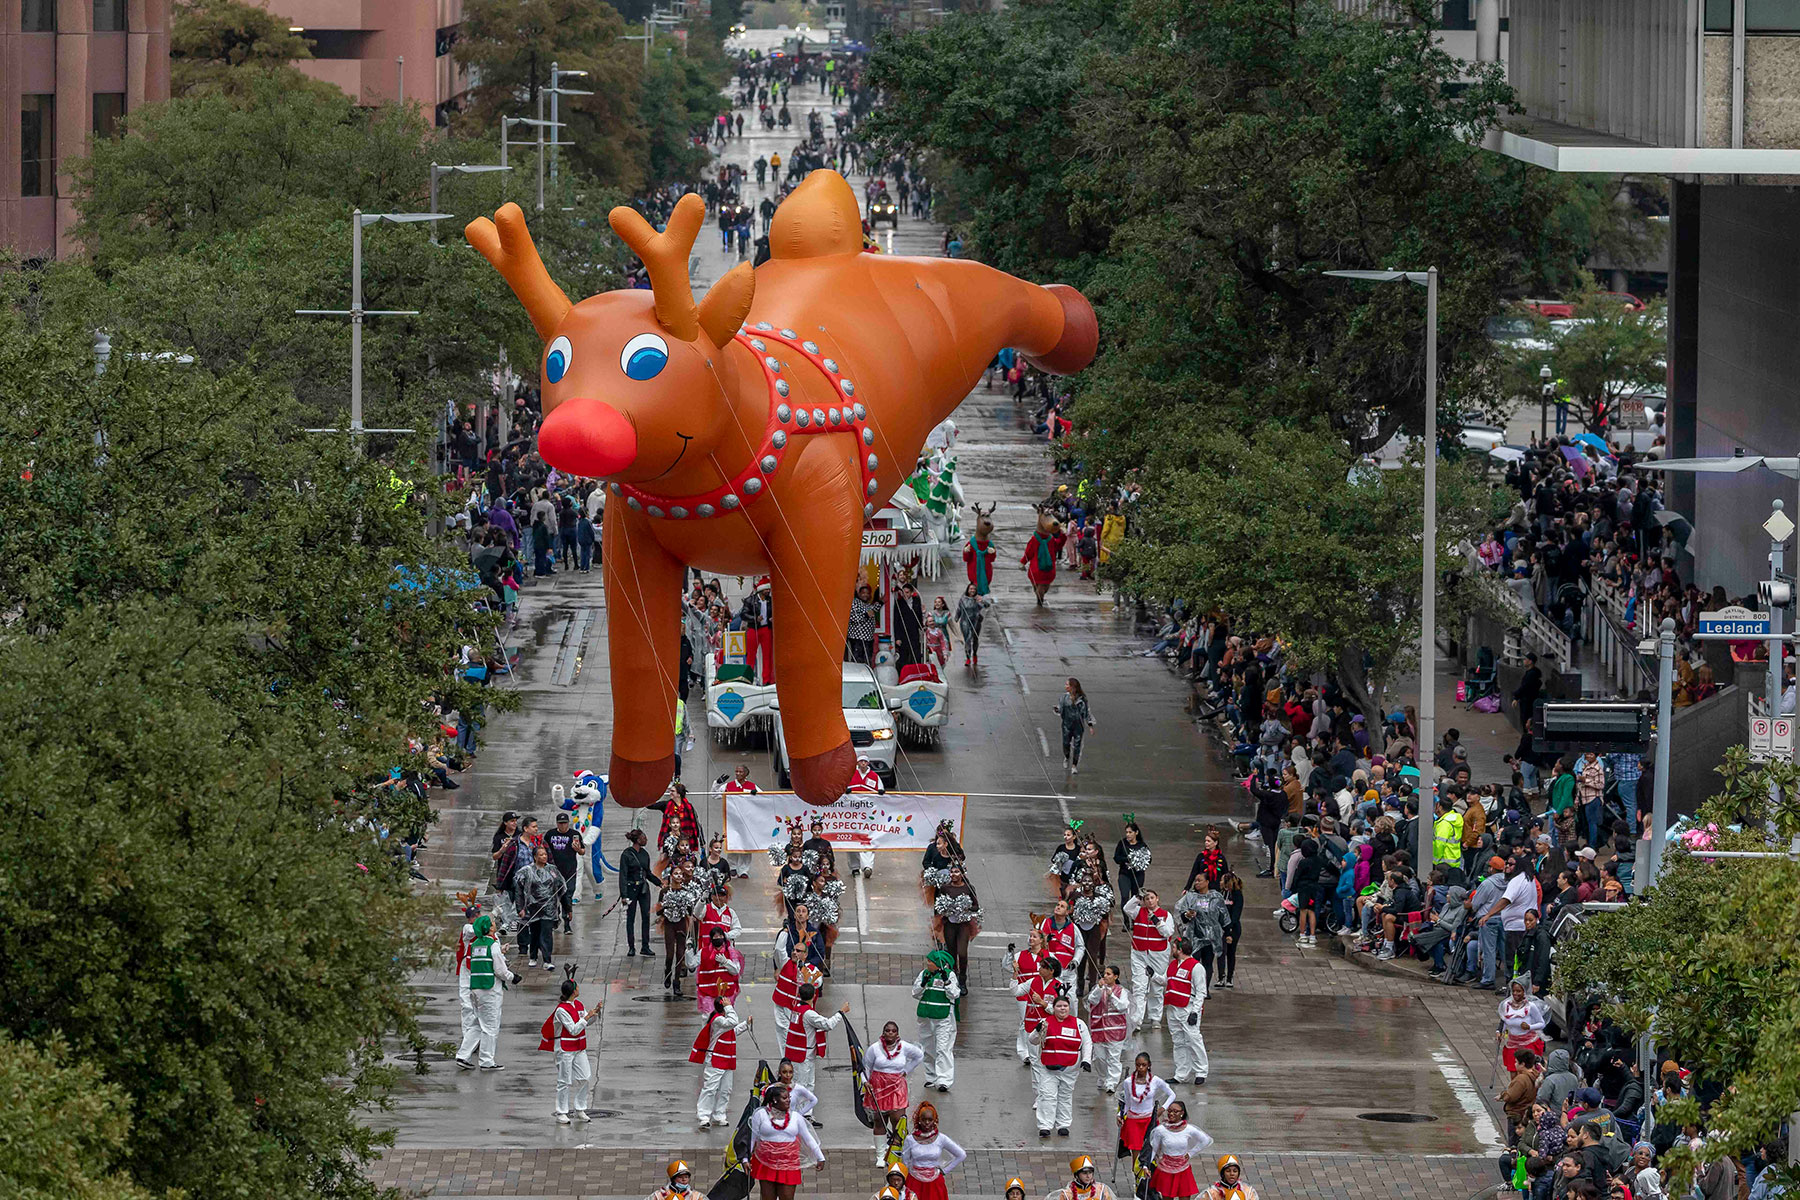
x,y
1665,726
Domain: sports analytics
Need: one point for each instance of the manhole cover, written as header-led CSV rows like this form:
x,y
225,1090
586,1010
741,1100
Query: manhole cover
x,y
603,1114
663,999
1396,1118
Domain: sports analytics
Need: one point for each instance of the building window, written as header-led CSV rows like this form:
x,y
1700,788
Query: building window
x,y
337,43
109,16
109,113
447,38
1760,16
39,16
37,145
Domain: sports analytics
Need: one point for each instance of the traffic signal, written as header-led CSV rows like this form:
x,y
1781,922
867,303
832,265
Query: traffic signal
x,y
1604,728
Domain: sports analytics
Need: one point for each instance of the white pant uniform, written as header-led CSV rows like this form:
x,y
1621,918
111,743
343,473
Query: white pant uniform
x,y
1149,975
803,1072
1020,1045
938,1038
1109,1063
865,861
1055,1095
485,1029
715,1095
1190,1047
574,1073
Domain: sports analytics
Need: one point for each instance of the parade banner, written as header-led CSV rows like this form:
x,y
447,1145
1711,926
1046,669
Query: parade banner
x,y
859,821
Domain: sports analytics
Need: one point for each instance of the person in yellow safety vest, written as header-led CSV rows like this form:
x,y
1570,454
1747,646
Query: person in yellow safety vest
x,y
680,731
1446,832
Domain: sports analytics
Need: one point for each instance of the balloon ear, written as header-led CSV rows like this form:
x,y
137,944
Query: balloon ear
x,y
726,305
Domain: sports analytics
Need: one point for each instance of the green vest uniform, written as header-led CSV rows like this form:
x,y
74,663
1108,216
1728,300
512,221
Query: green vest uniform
x,y
934,1005
1446,841
481,964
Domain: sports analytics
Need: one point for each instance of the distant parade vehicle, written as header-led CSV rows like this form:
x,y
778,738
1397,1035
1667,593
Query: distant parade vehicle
x,y
883,208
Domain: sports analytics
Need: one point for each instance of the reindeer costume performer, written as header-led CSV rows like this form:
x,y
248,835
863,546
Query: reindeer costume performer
x,y
756,431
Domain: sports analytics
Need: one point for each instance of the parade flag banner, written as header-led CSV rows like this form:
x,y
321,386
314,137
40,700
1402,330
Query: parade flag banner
x,y
859,821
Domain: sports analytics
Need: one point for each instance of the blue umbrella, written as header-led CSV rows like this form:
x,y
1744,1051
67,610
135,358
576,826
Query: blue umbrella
x,y
1596,441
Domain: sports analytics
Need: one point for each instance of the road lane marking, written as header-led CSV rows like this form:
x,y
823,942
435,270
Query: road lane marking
x,y
1467,1095
1043,742
1023,686
1007,634
862,904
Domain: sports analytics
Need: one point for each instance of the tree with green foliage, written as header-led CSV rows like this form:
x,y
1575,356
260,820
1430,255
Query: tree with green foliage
x,y
223,44
208,659
1606,352
63,1128
1704,962
1195,166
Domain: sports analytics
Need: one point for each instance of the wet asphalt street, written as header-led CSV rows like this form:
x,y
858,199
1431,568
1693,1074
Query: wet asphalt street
x,y
1299,1049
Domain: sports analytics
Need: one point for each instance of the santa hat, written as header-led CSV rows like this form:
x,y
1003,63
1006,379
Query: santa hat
x,y
762,583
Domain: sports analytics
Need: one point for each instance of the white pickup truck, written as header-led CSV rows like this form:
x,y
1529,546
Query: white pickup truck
x,y
868,711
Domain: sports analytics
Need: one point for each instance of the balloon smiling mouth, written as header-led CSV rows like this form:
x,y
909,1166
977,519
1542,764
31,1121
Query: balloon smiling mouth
x,y
590,437
686,441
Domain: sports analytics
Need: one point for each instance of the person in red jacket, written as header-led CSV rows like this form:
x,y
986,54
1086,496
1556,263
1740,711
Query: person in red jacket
x,y
1041,551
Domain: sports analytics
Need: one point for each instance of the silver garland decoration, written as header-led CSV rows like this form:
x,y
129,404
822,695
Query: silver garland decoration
x,y
959,909
935,877
1139,860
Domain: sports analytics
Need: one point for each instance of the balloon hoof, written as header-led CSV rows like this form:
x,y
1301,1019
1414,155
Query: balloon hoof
x,y
639,784
822,779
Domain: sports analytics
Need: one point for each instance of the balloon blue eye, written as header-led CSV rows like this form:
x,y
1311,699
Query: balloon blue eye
x,y
556,362
644,356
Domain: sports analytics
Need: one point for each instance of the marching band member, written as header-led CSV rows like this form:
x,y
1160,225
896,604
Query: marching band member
x,y
1108,1011
808,1027
937,991
1151,928
889,1062
1062,1042
565,1031
928,1156
1171,1143
1082,1185
1025,970
787,989
480,979
1062,938
895,1186
1231,1185
1522,1021
715,971
801,1101
1182,1001
681,1184
776,1138
1145,1093
716,1048
1034,996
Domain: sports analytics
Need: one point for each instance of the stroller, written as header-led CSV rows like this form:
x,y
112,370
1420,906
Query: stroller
x,y
1482,682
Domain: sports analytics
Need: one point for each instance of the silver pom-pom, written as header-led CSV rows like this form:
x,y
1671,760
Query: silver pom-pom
x,y
796,886
810,860
778,854
1139,860
959,909
1061,864
833,888
824,909
935,877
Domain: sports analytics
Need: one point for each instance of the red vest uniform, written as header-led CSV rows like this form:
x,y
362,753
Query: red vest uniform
x,y
1039,999
734,788
1062,1042
1025,968
713,917
787,987
1181,983
1106,1021
547,1036
865,781
712,973
1144,933
1061,942
724,1047
795,1049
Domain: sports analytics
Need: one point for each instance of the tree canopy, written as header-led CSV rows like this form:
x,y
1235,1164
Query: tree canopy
x,y
1195,166
224,44
1705,963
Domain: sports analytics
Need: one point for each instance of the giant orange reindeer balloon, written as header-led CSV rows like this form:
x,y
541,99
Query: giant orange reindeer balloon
x,y
754,433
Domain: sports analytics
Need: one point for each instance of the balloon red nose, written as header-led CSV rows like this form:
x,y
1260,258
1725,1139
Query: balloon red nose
x,y
587,437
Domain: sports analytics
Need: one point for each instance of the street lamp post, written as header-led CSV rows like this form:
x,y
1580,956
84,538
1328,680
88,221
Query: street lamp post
x,y
1545,387
557,91
438,172
536,123
1427,745
360,220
